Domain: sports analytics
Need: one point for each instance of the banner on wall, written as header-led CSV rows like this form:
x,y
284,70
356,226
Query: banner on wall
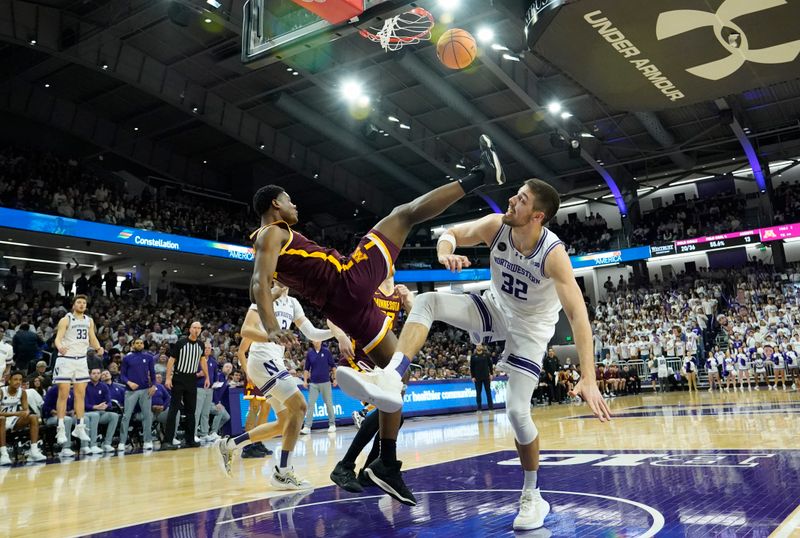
x,y
612,257
421,398
637,55
58,225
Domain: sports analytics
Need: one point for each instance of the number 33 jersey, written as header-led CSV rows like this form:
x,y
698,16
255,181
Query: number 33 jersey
x,y
519,283
76,337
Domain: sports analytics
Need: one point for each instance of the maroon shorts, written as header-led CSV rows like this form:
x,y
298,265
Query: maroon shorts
x,y
353,363
350,304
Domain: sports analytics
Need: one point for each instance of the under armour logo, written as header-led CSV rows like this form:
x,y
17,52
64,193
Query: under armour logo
x,y
730,35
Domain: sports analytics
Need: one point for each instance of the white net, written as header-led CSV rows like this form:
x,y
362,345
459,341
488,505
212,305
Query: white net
x,y
405,29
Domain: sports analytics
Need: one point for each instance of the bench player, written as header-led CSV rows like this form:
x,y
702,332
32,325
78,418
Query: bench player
x,y
343,287
74,335
531,279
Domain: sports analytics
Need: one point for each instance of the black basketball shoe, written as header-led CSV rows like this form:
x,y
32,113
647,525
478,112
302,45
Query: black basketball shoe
x,y
387,476
344,476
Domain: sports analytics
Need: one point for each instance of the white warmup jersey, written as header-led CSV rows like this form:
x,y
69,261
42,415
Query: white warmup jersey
x,y
10,404
521,305
76,337
265,365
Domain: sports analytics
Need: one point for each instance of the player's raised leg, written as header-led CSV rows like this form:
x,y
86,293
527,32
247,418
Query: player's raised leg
x,y
398,224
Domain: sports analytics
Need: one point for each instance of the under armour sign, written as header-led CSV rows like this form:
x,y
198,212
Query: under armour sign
x,y
638,55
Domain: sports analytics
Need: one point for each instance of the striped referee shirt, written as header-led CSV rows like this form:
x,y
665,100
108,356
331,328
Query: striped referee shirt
x,y
187,355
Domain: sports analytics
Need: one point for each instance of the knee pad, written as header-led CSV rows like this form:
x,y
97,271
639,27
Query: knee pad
x,y
424,311
525,430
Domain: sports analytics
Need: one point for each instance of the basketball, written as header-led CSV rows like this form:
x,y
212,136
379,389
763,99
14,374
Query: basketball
x,y
456,48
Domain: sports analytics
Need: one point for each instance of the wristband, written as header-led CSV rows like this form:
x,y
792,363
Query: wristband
x,y
449,238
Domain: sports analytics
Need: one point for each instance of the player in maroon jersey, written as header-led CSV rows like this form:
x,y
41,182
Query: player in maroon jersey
x,y
391,299
342,288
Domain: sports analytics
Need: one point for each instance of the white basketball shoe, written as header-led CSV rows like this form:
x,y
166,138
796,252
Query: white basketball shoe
x,y
533,509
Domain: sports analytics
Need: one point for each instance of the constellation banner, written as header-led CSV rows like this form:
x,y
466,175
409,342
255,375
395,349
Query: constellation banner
x,y
52,224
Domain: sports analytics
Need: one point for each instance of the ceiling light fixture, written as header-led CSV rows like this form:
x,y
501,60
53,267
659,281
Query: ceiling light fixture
x,y
554,107
485,34
39,260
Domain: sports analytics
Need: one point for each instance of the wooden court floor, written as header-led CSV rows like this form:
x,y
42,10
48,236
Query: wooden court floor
x,y
95,494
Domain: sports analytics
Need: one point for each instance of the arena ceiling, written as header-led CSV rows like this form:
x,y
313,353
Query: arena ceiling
x,y
177,100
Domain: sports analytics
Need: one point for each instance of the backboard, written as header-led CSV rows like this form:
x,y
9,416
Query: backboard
x,y
273,30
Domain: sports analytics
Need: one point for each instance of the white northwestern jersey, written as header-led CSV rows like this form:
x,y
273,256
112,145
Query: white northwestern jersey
x,y
9,403
287,311
518,281
76,337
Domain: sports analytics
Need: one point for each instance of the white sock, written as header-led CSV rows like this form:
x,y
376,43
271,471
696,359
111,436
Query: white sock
x,y
3,450
530,480
399,363
61,424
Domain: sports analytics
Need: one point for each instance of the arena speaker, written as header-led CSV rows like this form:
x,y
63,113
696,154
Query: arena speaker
x,y
649,56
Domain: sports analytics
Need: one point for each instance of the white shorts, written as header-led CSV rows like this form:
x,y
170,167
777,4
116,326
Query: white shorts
x,y
10,422
526,341
486,321
266,370
71,370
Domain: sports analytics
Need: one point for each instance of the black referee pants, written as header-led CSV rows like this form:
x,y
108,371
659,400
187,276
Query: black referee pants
x,y
184,392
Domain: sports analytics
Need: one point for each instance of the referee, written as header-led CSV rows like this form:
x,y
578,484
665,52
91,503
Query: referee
x,y
182,366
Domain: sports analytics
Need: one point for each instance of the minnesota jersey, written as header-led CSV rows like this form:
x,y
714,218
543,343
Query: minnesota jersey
x,y
10,403
389,305
518,282
306,267
76,337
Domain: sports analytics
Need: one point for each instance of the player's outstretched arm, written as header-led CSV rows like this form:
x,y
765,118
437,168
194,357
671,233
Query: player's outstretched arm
x,y
345,344
306,327
406,297
467,234
311,332
267,249
558,268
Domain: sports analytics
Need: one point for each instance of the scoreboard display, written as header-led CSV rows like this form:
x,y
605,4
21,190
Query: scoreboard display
x,y
709,242
716,242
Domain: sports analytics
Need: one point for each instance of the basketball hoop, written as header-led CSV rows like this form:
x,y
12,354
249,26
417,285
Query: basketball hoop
x,y
408,28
